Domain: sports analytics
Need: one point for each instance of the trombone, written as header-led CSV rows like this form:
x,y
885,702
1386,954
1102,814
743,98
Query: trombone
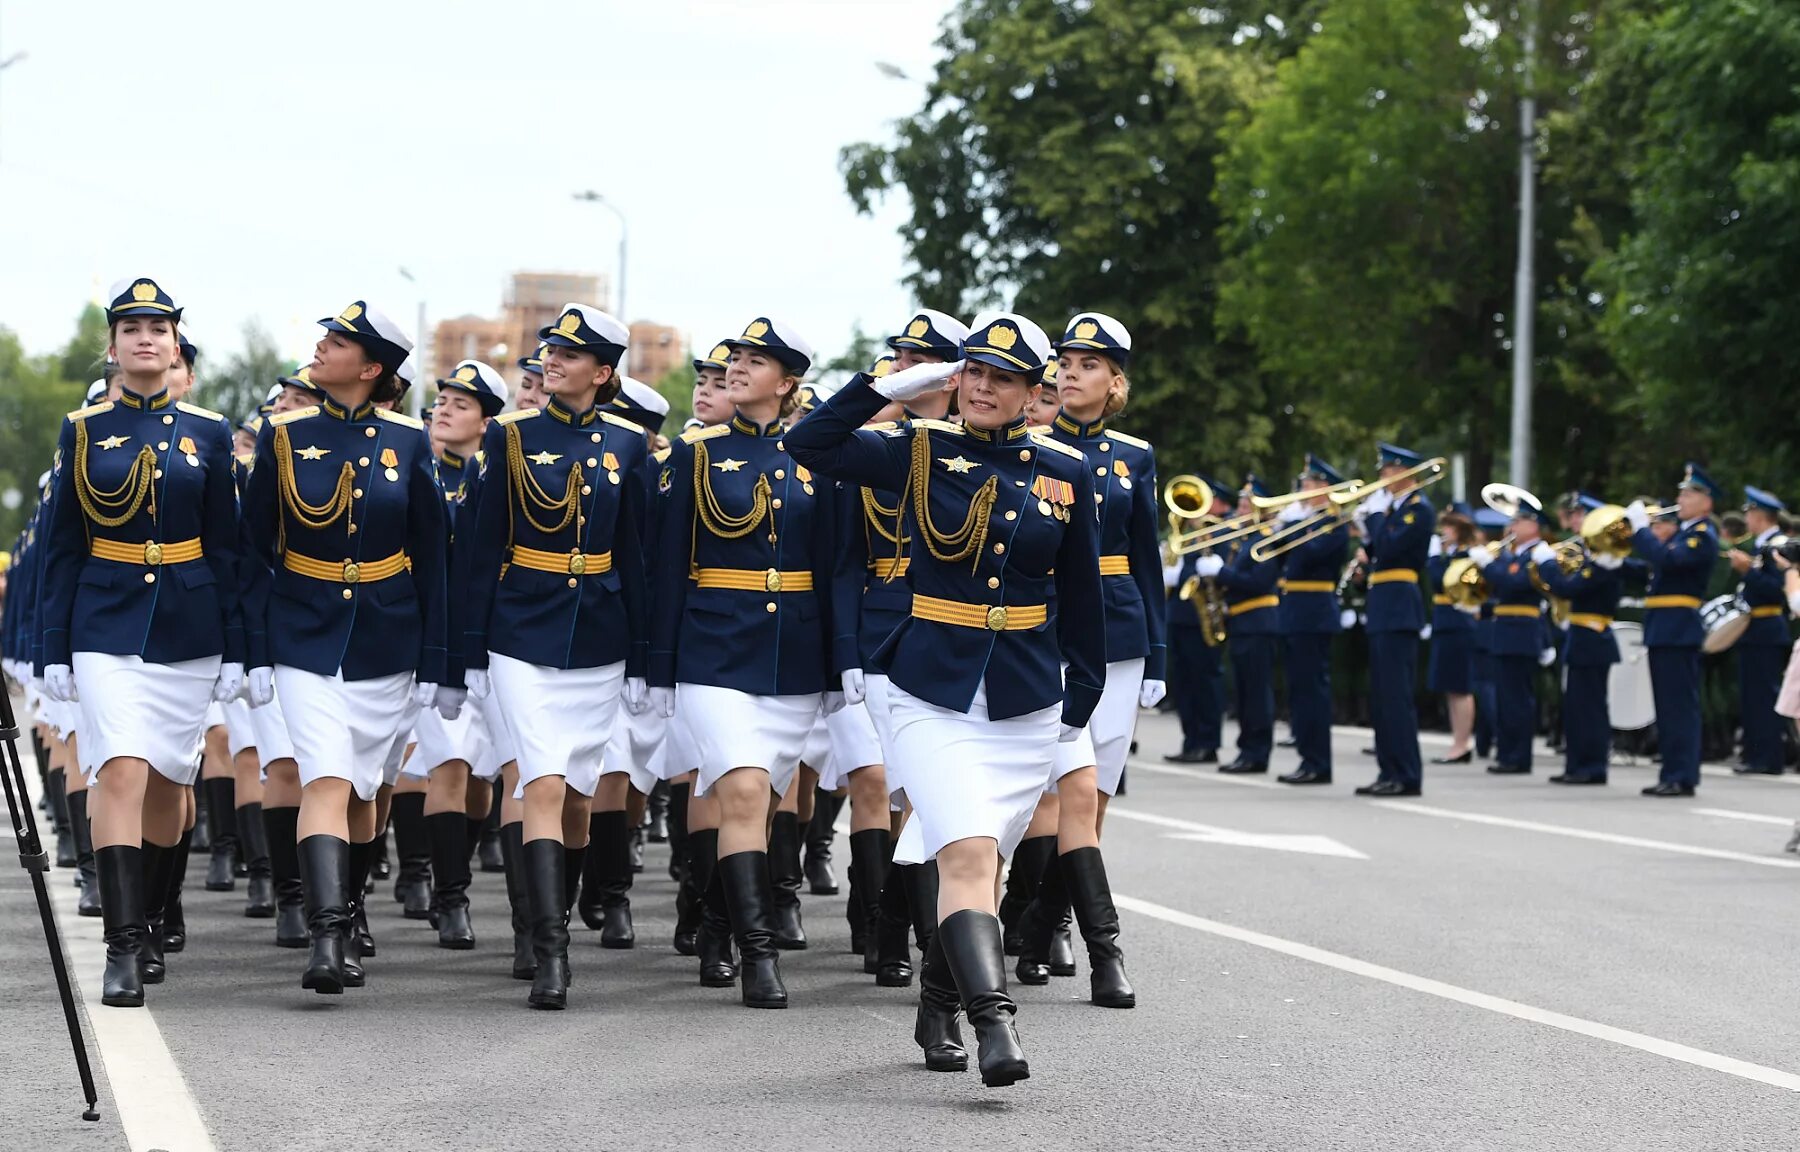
x,y
1343,499
1432,470
1301,531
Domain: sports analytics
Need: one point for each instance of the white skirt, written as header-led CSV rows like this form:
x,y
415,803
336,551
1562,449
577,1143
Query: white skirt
x,y
854,745
965,775
240,733
154,712
679,756
440,741
407,737
1106,741
499,737
636,748
560,718
272,740
733,729
344,729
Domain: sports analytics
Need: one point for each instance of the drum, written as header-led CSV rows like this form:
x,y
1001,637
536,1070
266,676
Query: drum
x,y
1628,686
1724,618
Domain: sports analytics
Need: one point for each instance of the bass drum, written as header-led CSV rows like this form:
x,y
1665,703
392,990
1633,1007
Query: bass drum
x,y
1628,687
1725,618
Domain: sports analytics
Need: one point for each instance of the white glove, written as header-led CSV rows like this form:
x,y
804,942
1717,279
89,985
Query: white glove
x,y
479,684
1542,553
855,690
1610,563
1208,566
1436,547
834,703
1152,693
637,695
230,681
59,683
262,686
663,700
1347,619
1068,735
1425,633
1638,515
1293,512
1482,555
1546,658
449,701
914,382
1379,501
425,693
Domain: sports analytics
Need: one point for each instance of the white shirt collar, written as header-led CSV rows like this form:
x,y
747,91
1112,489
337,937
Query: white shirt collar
x,y
1686,524
1767,534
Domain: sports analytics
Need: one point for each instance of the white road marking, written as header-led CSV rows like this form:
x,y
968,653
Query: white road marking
x,y
155,1108
1212,834
1667,1049
1723,772
1753,817
1587,834
1208,777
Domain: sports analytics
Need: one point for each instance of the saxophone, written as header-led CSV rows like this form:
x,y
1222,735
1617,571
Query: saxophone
x,y
1208,600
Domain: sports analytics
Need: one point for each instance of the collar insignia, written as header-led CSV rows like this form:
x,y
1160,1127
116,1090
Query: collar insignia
x,y
313,452
729,465
113,441
959,465
544,457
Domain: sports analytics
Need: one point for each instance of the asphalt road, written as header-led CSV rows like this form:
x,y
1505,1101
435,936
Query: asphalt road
x,y
1500,965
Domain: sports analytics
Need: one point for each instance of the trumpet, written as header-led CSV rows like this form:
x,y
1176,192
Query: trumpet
x,y
1432,470
1463,581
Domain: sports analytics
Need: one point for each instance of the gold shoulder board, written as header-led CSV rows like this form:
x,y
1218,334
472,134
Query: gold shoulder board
x,y
621,422
1131,440
880,426
91,410
940,426
296,414
521,414
399,418
707,433
196,410
1045,440
660,456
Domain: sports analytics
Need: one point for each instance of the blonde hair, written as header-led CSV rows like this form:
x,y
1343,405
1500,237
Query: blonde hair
x,y
790,401
1118,395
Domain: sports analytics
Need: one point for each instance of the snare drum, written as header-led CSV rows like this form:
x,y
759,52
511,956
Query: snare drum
x,y
1724,618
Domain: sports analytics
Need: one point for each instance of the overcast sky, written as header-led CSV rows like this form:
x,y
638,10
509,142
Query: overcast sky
x,y
276,161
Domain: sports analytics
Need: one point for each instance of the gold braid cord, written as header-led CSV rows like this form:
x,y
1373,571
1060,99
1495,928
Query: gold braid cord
x,y
966,541
874,515
716,519
314,518
102,508
532,494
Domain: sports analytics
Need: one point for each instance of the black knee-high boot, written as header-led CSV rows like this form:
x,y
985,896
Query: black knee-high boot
x,y
588,905
1084,872
821,830
574,859
1039,955
712,940
283,826
512,854
325,872
157,862
253,844
893,927
935,1029
120,878
745,879
174,925
359,944
1022,879
971,944
611,848
221,829
545,863
786,877
869,853
412,881
448,833
656,813
922,901
486,837
56,794
679,796
85,878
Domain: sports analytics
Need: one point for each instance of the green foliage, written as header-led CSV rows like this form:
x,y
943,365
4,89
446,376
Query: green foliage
x,y
35,393
677,387
236,384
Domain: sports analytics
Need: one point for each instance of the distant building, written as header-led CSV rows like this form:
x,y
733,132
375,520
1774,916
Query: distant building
x,y
469,338
534,300
656,350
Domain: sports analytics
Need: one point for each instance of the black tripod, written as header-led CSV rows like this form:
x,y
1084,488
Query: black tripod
x,y
34,860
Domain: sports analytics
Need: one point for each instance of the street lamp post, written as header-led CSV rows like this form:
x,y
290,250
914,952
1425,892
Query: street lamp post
x,y
415,400
589,196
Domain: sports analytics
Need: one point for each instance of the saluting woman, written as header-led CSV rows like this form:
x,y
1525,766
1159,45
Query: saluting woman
x,y
983,680
1093,388
343,509
556,602
741,632
139,621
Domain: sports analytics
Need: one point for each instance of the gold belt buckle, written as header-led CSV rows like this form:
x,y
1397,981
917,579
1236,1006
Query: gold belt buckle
x,y
772,580
352,572
996,618
577,564
153,554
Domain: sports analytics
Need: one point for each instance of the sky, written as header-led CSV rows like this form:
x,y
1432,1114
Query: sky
x,y
275,161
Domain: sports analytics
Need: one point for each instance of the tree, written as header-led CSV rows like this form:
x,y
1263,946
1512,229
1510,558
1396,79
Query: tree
x,y
34,396
235,385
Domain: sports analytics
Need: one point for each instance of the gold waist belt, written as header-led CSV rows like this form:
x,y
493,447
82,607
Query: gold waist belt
x,y
563,563
754,579
1592,621
994,618
1528,610
347,571
1765,611
1115,565
1308,586
150,554
1244,606
890,567
1394,576
1671,601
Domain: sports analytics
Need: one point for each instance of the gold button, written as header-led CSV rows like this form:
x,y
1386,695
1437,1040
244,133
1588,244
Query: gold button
x,y
1012,515
592,463
999,549
163,446
1024,453
776,502
1099,471
159,473
1018,483
352,529
149,577
346,593
595,437
356,492
587,489
781,474
770,606
364,462
1105,447
781,445
168,419
993,581
368,432
573,582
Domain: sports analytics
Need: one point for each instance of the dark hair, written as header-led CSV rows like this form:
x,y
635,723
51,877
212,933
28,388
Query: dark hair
x,y
609,391
1461,528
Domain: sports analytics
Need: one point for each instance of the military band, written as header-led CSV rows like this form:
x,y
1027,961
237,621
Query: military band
x,y
940,592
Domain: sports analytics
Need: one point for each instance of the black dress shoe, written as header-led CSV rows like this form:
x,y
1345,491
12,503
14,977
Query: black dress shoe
x,y
1369,751
1243,767
1668,790
1391,788
1305,776
1287,742
1195,757
1566,778
1466,757
1746,770
1509,769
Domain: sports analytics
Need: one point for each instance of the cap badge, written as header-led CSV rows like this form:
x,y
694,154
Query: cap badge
x,y
757,330
1086,330
466,374
143,291
350,315
570,324
1002,337
918,327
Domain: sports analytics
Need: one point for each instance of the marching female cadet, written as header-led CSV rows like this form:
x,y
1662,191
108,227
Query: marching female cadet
x,y
1762,650
556,603
140,624
1450,668
979,673
530,392
1589,651
451,750
343,508
1309,619
1252,607
1679,570
1397,529
1092,388
1518,640
741,624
